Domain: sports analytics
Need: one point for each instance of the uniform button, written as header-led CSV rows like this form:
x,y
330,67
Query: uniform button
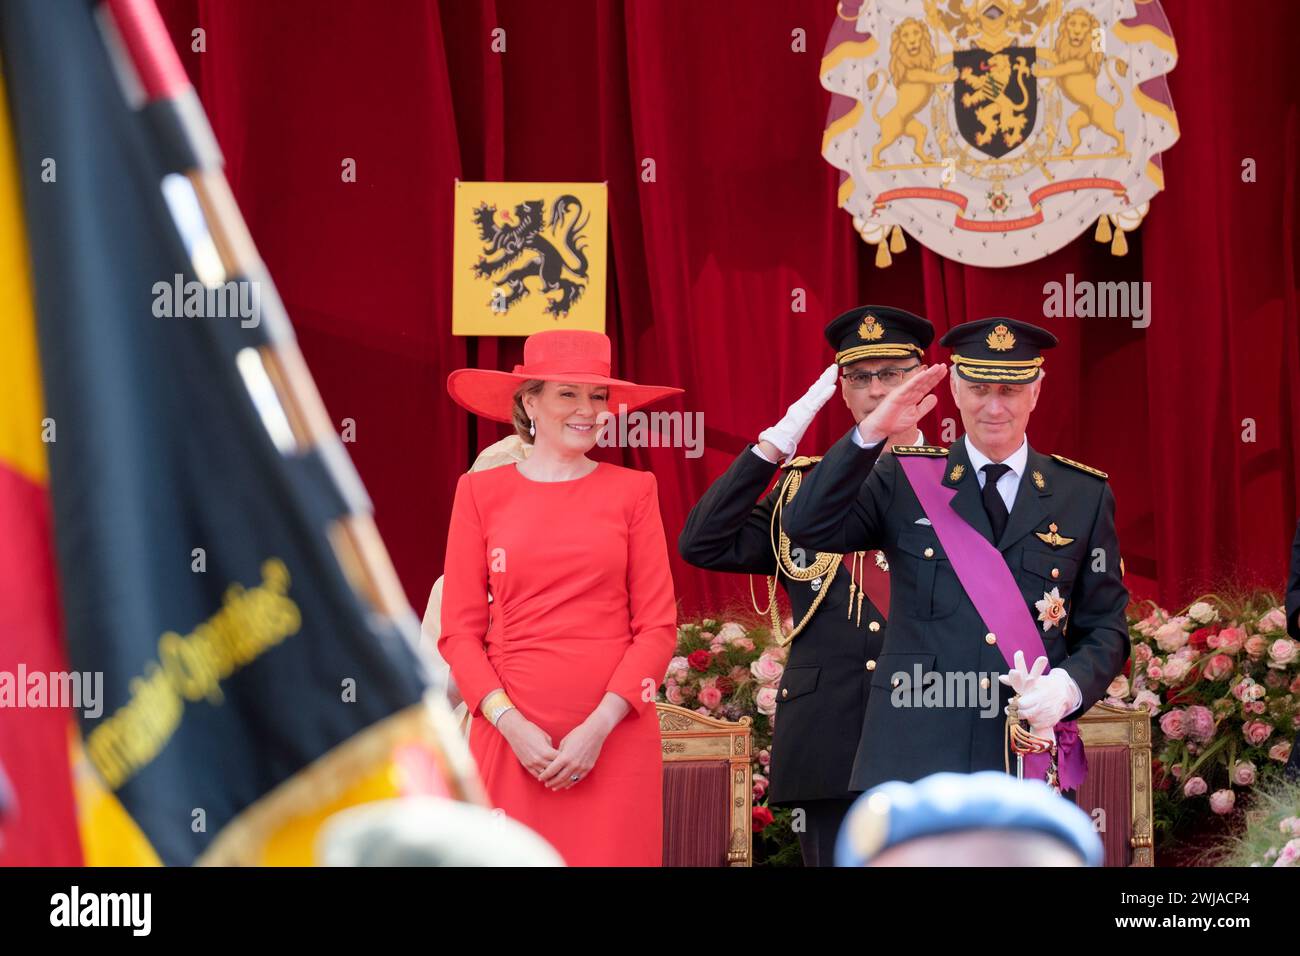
x,y
990,638
873,626
929,552
785,692
871,665
1056,572
984,683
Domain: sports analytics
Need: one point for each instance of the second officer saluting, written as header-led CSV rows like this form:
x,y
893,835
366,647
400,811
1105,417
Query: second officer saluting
x,y
838,601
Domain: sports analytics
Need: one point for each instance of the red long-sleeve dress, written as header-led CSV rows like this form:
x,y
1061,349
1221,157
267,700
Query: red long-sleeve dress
x,y
582,603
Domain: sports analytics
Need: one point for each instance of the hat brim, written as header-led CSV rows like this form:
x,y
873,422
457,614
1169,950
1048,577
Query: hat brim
x,y
997,374
491,393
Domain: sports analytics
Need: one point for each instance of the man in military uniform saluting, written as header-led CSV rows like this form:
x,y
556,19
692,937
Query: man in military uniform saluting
x,y
837,629
999,555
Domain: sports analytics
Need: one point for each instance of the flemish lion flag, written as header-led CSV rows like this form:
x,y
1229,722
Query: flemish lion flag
x,y
215,561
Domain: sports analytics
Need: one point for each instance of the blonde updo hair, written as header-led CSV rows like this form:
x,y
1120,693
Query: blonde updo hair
x,y
519,414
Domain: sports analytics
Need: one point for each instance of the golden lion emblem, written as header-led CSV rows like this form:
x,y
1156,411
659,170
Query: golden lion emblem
x,y
1076,70
999,114
912,67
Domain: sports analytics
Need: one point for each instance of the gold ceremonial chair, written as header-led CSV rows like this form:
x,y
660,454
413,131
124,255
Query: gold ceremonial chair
x,y
708,790
1118,744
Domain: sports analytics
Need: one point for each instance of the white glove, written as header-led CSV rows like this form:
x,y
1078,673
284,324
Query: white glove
x,y
1044,698
786,433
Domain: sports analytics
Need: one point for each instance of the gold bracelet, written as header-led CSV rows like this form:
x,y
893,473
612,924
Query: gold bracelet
x,y
495,705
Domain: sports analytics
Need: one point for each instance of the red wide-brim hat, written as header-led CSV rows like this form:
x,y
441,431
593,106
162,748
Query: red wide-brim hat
x,y
557,355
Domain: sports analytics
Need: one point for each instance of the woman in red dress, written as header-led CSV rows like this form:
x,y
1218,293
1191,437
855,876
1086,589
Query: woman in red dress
x,y
558,612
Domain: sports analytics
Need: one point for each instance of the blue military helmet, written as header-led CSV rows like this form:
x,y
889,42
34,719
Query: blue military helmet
x,y
957,803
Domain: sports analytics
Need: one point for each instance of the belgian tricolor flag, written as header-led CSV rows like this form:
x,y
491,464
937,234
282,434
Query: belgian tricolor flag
x,y
180,521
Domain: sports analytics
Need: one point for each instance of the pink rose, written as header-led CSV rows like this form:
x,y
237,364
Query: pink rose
x,y
1290,826
1274,620
1176,669
1177,771
1199,722
1142,653
1155,670
744,643
1256,647
731,632
1194,787
1281,751
1243,773
1147,699
1256,732
703,711
739,675
673,693
1148,624
1222,801
1290,853
1171,725
1229,640
678,668
760,786
708,636
710,697
765,757
1218,667
717,647
766,670
1118,687
1274,679
765,700
1170,636
1295,686
1253,707
1282,652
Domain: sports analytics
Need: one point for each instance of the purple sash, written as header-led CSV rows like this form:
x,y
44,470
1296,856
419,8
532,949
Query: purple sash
x,y
984,574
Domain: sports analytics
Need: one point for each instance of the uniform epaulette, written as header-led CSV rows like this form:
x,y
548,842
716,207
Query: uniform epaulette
x,y
934,451
803,461
1081,466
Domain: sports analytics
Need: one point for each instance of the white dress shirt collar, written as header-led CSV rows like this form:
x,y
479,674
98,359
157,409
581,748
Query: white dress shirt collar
x,y
1016,461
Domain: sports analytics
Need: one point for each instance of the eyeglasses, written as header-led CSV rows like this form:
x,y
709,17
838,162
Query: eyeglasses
x,y
889,377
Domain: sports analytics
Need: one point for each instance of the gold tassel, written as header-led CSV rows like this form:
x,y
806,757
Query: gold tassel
x,y
896,243
882,255
1120,246
1103,229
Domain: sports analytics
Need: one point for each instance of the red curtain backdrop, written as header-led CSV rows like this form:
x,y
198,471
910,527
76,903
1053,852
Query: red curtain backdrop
x,y
705,260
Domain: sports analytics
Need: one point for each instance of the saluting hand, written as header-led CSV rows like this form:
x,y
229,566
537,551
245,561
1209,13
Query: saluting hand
x,y
902,408
784,435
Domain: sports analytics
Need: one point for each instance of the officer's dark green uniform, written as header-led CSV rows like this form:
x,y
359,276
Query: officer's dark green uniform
x,y
1060,534
838,631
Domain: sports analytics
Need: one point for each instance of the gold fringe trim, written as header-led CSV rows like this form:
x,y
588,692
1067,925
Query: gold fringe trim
x,y
242,840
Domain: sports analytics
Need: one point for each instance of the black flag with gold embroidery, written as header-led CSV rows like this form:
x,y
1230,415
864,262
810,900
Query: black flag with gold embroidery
x,y
215,558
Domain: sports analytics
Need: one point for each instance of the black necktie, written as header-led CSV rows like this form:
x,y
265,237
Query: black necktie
x,y
993,503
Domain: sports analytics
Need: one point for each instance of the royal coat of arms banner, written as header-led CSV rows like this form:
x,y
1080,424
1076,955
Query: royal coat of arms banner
x,y
529,257
993,131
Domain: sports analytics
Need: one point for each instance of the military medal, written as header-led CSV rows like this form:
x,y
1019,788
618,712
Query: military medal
x,y
1051,609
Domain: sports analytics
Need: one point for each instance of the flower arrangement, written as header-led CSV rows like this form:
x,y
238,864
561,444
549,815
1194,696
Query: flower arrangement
x,y
1270,835
730,670
1222,683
